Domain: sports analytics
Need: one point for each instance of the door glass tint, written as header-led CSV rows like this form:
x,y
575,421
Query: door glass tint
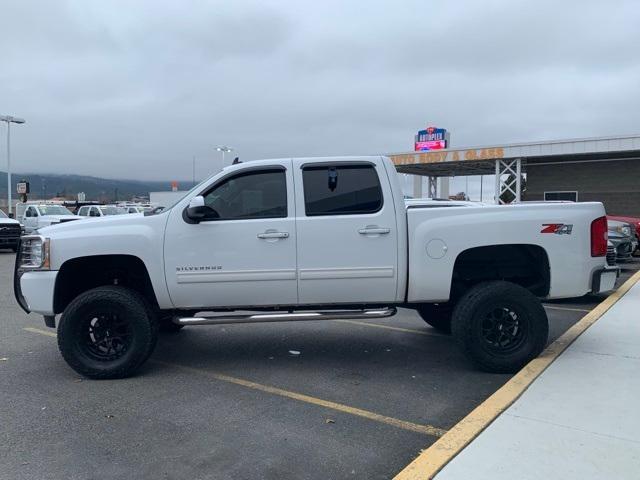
x,y
261,194
341,190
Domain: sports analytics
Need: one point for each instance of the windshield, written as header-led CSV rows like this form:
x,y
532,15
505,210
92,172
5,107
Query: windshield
x,y
112,210
53,210
2,214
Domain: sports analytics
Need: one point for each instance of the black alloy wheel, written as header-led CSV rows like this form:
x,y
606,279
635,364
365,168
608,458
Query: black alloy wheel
x,y
502,329
107,332
500,326
107,335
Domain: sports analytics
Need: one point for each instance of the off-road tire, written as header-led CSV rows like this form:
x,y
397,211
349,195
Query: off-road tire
x,y
478,329
129,314
437,315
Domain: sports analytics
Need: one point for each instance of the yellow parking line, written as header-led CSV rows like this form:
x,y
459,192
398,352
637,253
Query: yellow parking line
x,y
358,412
394,422
388,327
41,332
554,307
434,458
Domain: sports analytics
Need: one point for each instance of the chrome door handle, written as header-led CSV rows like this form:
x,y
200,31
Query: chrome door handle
x,y
374,230
274,235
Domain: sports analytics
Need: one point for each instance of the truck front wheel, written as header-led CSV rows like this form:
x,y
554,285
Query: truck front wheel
x,y
438,315
500,326
107,332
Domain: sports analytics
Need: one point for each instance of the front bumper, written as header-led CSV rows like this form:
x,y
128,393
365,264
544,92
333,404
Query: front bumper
x,y
604,279
34,291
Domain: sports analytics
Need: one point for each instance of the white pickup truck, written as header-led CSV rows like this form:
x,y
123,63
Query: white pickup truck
x,y
38,216
311,239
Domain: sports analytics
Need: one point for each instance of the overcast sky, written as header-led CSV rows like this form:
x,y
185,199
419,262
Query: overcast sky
x,y
127,89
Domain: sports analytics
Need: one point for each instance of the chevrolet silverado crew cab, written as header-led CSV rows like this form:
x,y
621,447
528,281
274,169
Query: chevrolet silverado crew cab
x,y
310,239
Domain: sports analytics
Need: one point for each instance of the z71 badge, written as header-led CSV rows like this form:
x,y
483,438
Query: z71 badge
x,y
557,228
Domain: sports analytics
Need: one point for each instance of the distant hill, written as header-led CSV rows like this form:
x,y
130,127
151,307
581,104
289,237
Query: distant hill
x,y
102,189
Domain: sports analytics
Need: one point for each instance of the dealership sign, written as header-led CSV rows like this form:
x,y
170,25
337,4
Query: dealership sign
x,y
431,145
432,138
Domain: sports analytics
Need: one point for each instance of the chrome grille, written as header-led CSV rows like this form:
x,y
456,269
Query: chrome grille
x,y
611,255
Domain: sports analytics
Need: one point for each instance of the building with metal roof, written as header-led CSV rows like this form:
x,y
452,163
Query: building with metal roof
x,y
604,169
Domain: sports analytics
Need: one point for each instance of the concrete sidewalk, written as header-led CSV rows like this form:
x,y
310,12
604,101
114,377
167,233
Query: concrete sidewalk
x,y
579,420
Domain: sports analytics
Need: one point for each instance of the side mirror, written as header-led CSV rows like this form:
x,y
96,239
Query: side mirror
x,y
197,211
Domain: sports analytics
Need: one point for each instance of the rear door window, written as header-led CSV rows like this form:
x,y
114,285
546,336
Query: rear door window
x,y
341,190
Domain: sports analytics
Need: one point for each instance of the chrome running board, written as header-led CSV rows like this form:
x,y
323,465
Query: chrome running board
x,y
285,317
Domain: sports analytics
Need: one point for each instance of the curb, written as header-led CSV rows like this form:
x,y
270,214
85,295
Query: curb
x,y
434,458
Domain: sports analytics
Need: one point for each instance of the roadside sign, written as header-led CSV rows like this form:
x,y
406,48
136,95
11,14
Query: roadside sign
x,y
22,188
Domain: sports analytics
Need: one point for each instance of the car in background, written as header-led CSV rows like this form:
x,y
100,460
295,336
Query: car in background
x,y
10,231
622,235
37,216
635,221
135,207
154,210
611,254
100,211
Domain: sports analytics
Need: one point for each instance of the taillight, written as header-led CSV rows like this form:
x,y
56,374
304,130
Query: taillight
x,y
599,237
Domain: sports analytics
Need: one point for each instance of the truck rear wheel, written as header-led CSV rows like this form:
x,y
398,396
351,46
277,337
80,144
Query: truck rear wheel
x,y
500,326
438,315
107,332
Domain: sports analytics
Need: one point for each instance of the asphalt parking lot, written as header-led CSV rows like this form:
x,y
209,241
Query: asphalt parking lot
x,y
308,400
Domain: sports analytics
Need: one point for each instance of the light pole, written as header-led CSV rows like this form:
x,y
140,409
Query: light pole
x,y
224,149
9,119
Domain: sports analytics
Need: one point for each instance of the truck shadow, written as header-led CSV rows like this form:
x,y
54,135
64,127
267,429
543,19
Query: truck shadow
x,y
288,346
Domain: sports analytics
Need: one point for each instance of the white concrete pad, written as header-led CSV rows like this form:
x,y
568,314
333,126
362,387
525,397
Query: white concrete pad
x,y
591,392
579,420
522,449
619,334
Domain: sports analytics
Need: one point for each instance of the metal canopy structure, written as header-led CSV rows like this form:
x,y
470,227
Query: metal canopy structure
x,y
508,162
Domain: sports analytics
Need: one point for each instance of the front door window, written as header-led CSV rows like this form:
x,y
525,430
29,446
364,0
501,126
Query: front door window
x,y
260,194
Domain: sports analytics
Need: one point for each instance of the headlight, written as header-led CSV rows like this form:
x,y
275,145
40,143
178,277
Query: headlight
x,y
34,253
623,230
